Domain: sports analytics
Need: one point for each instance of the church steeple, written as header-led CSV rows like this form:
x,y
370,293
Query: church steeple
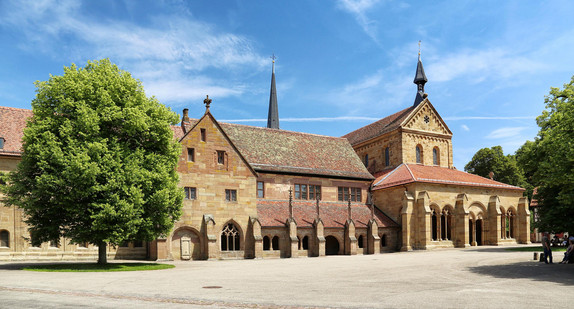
x,y
420,80
273,116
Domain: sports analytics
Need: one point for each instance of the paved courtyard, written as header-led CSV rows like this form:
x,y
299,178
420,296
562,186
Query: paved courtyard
x,y
485,277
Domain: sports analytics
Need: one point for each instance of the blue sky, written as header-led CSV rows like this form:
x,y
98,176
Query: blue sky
x,y
341,64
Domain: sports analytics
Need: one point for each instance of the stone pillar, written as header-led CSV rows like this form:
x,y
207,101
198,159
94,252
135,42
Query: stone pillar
x,y
350,238
210,251
461,230
293,246
407,221
423,212
523,219
492,228
256,238
373,239
319,243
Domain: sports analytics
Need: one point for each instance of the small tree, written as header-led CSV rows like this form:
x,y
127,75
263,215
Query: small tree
x,y
98,161
505,168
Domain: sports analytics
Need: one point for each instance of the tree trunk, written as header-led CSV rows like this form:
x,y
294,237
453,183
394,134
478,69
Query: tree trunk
x,y
102,254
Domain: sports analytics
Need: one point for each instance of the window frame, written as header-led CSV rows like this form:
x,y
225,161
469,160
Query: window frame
x,y
387,157
314,191
2,142
419,154
220,157
190,154
203,134
261,191
354,194
187,193
230,195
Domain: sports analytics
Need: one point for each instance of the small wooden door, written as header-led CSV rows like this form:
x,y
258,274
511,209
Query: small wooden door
x,y
185,248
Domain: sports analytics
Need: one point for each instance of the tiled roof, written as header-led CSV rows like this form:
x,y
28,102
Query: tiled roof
x,y
379,127
275,213
12,124
409,173
280,151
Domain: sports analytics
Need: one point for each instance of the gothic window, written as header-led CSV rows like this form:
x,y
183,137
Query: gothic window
x,y
435,156
434,226
266,243
190,154
190,193
419,154
305,243
360,241
510,223
231,195
298,243
260,189
4,239
346,193
442,226
503,224
275,243
387,157
446,225
230,238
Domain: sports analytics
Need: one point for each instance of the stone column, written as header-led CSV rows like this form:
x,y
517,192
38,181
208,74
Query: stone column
x,y
293,247
492,228
373,239
461,222
523,219
319,243
407,221
210,236
424,226
350,238
257,239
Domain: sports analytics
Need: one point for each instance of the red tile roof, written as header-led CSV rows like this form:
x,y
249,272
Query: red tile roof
x,y
275,213
379,127
409,173
12,124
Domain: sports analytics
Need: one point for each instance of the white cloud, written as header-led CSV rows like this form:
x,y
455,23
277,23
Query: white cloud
x,y
159,54
509,132
359,9
453,118
314,119
465,127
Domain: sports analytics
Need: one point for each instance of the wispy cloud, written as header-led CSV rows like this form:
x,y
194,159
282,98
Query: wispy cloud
x,y
359,9
314,119
454,118
160,54
465,127
505,133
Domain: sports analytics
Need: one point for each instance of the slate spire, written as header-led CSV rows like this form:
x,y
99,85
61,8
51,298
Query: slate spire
x,y
420,80
273,116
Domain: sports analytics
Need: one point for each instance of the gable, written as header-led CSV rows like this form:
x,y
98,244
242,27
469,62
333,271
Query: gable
x,y
425,118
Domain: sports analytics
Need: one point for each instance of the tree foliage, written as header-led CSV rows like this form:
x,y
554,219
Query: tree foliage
x,y
505,168
549,161
98,160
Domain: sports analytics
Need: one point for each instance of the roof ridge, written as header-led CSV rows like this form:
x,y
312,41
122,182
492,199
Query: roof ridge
x,y
280,130
389,116
411,172
15,108
387,175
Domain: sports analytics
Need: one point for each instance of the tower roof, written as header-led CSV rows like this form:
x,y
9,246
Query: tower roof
x,y
420,80
273,116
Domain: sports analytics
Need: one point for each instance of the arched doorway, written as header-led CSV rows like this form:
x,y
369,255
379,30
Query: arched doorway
x,y
470,232
185,245
479,232
331,245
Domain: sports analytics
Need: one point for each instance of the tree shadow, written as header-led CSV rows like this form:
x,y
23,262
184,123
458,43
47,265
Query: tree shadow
x,y
557,273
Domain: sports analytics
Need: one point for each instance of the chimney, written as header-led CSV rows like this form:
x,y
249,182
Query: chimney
x,y
185,120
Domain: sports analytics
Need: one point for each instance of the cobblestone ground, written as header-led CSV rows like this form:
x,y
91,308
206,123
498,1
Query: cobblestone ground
x,y
484,277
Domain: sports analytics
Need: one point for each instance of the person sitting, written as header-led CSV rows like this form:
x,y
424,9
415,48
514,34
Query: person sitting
x,y
568,254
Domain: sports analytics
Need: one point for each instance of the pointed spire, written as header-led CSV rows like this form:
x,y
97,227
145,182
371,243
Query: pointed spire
x,y
420,80
273,116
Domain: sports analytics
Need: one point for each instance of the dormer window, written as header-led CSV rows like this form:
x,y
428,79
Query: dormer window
x,y
2,142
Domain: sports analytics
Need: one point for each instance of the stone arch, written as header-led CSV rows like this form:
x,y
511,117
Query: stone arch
x,y
360,241
511,222
266,243
186,244
435,222
305,243
476,208
275,243
383,240
231,237
332,245
447,215
503,222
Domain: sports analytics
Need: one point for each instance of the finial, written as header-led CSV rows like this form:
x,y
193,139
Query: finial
x,y
273,57
207,101
419,49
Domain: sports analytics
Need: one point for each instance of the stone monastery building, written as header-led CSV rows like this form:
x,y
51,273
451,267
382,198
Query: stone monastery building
x,y
253,192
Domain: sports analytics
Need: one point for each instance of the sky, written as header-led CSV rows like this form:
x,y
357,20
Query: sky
x,y
340,64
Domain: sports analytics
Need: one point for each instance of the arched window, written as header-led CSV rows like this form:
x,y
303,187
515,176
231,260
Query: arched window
x,y
230,238
306,243
5,239
510,220
387,157
384,240
503,224
446,224
435,156
434,226
266,243
442,226
367,160
360,241
419,154
298,243
275,243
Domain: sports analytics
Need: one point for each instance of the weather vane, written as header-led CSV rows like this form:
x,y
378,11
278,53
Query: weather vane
x,y
273,57
207,101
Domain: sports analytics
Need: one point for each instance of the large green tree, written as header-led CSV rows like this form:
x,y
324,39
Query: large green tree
x,y
549,161
504,168
99,160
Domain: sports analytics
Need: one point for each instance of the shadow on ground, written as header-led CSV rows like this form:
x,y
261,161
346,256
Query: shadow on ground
x,y
558,273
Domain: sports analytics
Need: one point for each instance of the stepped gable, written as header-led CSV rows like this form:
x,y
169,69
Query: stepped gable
x,y
12,124
280,151
409,173
379,127
275,214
